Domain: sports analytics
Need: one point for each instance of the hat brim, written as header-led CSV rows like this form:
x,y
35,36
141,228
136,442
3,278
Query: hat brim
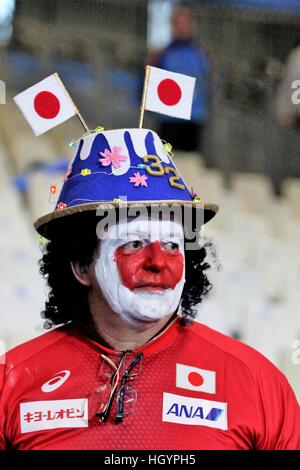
x,y
52,224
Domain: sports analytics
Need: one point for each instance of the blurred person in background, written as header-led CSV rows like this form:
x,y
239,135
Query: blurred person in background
x,y
184,55
288,110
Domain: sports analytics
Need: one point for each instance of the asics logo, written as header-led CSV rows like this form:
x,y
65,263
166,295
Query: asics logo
x,y
57,380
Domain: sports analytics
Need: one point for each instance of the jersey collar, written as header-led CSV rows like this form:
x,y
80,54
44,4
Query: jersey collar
x,y
160,342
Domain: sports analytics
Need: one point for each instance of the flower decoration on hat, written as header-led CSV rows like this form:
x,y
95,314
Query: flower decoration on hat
x,y
194,192
195,195
61,205
138,180
113,157
53,189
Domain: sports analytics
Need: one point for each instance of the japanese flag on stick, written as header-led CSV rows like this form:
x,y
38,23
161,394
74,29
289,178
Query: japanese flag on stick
x,y
169,93
46,104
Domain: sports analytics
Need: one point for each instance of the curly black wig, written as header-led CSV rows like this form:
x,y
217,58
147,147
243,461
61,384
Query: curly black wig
x,y
68,299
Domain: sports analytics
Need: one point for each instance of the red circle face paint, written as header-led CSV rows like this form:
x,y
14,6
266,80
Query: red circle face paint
x,y
153,266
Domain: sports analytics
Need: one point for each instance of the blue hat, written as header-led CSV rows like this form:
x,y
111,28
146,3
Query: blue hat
x,y
111,167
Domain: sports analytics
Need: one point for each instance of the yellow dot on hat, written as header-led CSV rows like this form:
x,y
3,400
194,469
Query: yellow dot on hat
x,y
168,147
86,172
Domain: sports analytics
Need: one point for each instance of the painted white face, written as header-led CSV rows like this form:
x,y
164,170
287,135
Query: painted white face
x,y
141,273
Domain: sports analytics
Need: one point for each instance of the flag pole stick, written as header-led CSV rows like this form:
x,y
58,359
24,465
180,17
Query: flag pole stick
x,y
143,102
83,122
78,113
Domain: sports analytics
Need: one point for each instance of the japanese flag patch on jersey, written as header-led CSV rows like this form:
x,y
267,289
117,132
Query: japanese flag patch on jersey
x,y
193,378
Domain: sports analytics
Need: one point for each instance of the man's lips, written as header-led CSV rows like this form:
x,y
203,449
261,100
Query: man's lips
x,y
152,287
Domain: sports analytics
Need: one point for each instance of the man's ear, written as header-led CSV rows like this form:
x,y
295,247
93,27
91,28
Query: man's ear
x,y
81,273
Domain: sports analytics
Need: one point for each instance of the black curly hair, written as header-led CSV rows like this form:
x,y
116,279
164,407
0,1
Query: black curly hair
x,y
68,299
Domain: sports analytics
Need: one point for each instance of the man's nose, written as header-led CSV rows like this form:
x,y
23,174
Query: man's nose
x,y
155,260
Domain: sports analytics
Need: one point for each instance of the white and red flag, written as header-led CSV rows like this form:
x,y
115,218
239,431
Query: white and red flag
x,y
169,93
46,104
194,378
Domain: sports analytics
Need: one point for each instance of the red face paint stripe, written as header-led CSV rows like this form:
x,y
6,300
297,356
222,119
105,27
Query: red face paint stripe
x,y
150,267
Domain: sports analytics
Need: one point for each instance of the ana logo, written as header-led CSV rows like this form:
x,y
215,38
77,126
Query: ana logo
x,y
57,380
194,411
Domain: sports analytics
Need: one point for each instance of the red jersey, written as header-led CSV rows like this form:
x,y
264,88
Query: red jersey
x,y
196,389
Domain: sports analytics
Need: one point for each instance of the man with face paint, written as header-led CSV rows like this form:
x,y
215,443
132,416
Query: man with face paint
x,y
127,367
136,280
